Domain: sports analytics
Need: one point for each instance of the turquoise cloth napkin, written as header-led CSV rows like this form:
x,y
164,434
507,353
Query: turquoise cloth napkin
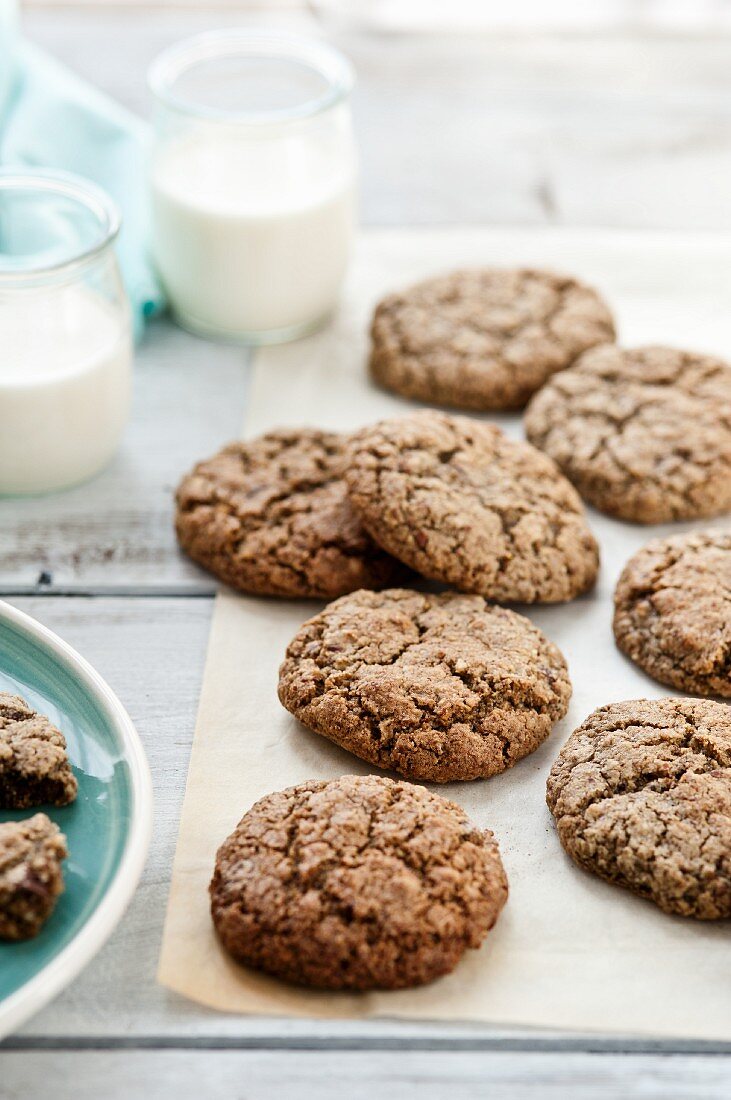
x,y
52,119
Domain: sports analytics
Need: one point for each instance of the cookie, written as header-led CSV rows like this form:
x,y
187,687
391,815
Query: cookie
x,y
484,339
672,611
31,878
34,767
358,883
644,434
641,794
437,688
459,502
271,516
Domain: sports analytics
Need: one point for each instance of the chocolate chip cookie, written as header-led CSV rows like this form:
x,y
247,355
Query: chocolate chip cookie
x,y
673,611
271,516
438,688
359,883
641,794
34,767
459,502
31,878
484,339
644,434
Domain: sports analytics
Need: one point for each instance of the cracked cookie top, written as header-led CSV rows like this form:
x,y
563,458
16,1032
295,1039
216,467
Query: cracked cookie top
x,y
357,883
641,794
34,767
271,516
672,612
459,502
644,434
484,339
31,879
438,688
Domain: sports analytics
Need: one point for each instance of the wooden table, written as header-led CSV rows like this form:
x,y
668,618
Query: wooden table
x,y
621,129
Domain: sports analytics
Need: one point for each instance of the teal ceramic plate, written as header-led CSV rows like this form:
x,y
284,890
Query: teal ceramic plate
x,y
107,828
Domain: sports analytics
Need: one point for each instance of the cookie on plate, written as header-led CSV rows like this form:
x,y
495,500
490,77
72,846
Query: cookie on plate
x,y
459,502
672,611
438,688
644,434
357,883
484,339
271,516
34,767
31,877
641,794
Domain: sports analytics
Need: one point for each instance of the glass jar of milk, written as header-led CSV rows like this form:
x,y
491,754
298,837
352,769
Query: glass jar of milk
x,y
65,332
253,183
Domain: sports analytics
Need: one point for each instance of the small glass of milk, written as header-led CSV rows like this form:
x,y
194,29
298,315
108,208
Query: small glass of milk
x,y
253,183
65,332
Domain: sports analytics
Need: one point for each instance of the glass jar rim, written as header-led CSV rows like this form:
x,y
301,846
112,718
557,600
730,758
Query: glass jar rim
x,y
234,43
77,189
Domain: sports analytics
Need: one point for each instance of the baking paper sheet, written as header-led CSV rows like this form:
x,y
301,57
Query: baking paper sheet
x,y
568,951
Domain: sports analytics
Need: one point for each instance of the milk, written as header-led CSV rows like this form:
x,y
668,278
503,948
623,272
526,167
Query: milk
x,y
251,235
65,374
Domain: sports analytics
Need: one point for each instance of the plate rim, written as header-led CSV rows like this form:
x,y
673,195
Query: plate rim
x,y
96,930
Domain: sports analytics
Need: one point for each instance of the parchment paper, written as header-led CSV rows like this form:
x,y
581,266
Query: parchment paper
x,y
568,951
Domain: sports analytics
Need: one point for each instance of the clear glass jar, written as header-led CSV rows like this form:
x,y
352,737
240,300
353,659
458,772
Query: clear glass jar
x,y
65,332
253,183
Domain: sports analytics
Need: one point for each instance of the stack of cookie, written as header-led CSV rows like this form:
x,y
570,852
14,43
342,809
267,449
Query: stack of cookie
x,y
368,883
34,771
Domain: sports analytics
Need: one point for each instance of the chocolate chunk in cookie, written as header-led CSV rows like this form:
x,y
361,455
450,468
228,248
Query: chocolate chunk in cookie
x,y
271,516
644,434
34,767
484,339
641,794
437,688
360,883
31,877
673,611
459,502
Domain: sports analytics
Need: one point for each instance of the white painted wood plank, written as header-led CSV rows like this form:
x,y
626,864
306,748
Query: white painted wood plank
x,y
628,129
358,1076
